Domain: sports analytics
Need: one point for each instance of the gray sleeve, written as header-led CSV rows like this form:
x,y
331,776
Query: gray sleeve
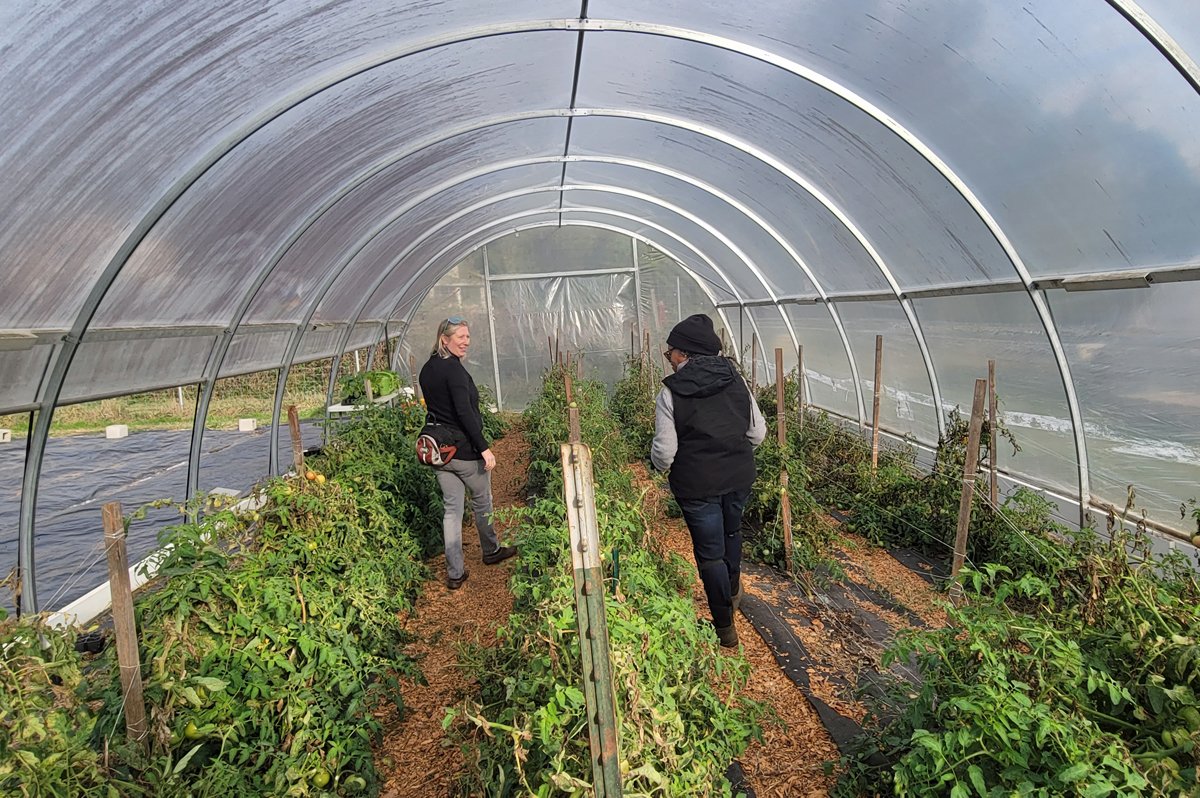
x,y
758,425
662,449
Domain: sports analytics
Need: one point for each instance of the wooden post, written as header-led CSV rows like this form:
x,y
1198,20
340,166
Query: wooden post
x,y
369,391
550,346
123,623
993,422
574,435
780,403
875,403
970,463
786,502
800,386
557,350
567,384
753,361
297,445
632,341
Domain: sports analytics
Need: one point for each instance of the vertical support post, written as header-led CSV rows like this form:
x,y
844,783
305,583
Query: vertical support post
x,y
786,506
875,403
780,403
754,361
592,624
124,625
638,319
487,298
632,340
800,387
367,388
678,300
574,433
550,346
557,350
297,445
724,341
993,421
412,369
970,464
741,332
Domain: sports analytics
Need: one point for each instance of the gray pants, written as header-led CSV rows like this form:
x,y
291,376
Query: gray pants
x,y
455,478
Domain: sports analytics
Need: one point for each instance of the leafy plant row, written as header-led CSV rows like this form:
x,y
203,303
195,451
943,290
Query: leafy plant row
x,y
680,713
265,644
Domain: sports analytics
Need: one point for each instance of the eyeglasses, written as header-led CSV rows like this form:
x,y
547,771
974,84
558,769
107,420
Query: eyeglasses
x,y
667,354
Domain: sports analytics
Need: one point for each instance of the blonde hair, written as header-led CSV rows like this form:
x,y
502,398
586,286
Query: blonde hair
x,y
448,327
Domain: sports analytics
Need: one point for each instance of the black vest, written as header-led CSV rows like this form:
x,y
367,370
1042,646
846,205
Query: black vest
x,y
712,416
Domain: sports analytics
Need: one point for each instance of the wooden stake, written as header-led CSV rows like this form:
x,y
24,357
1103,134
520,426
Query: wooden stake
x,y
875,403
800,386
567,384
297,445
970,463
369,391
753,361
632,341
786,501
574,434
550,346
780,404
124,625
993,423
557,352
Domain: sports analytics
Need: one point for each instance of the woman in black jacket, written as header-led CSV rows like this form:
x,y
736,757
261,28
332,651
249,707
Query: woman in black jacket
x,y
452,399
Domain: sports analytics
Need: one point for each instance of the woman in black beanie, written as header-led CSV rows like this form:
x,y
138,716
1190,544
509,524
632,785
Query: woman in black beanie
x,y
452,399
706,426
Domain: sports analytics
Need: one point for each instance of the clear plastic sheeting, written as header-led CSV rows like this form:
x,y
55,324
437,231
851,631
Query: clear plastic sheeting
x,y
828,379
112,368
20,373
963,333
1137,369
809,222
255,351
906,402
670,293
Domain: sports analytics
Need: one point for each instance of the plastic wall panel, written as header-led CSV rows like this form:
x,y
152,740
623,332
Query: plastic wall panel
x,y
1136,366
835,256
963,333
921,225
591,315
553,249
457,292
12,467
319,343
365,335
727,260
250,352
21,374
781,271
774,333
906,403
431,225
830,382
670,294
690,258
479,225
106,368
1062,117
155,90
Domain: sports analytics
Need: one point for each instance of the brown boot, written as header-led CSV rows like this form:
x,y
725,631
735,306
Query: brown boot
x,y
727,636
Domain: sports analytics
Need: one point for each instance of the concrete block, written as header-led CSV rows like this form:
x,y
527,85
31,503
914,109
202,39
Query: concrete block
x,y
114,431
5,436
247,424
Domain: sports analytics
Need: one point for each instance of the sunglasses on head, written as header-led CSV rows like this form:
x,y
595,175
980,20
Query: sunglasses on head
x,y
456,320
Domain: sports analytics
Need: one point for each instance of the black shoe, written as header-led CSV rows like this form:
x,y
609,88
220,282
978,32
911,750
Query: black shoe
x,y
727,636
455,584
500,555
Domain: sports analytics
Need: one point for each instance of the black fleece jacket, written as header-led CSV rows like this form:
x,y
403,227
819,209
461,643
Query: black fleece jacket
x,y
452,399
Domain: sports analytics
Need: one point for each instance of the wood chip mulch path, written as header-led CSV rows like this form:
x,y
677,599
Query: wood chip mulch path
x,y
415,759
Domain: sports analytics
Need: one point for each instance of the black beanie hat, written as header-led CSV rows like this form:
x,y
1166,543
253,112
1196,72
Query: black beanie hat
x,y
695,336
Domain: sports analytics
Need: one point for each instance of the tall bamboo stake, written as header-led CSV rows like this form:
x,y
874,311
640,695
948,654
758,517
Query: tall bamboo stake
x,y
124,625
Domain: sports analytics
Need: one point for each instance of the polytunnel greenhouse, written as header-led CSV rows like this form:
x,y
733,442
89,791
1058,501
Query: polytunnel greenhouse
x,y
952,247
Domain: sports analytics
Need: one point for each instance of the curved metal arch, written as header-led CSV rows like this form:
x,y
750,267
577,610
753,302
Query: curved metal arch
x,y
507,231
380,227
1164,42
1036,295
821,197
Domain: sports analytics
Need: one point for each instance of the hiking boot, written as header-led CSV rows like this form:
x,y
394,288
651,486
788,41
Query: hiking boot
x,y
455,584
727,636
500,555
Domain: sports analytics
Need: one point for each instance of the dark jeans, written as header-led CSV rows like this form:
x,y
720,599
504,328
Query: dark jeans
x,y
716,526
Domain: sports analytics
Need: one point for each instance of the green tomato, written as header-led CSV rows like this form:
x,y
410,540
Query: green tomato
x,y
191,731
320,779
1191,718
355,783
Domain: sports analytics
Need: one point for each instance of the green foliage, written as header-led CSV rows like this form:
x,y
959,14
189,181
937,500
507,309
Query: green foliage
x,y
45,724
494,425
1082,684
269,640
681,720
354,389
633,401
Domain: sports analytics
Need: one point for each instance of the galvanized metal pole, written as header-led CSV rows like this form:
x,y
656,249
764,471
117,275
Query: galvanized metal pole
x,y
599,695
487,298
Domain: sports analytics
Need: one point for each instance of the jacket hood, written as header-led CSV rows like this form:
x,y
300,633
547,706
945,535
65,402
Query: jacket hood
x,y
703,375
